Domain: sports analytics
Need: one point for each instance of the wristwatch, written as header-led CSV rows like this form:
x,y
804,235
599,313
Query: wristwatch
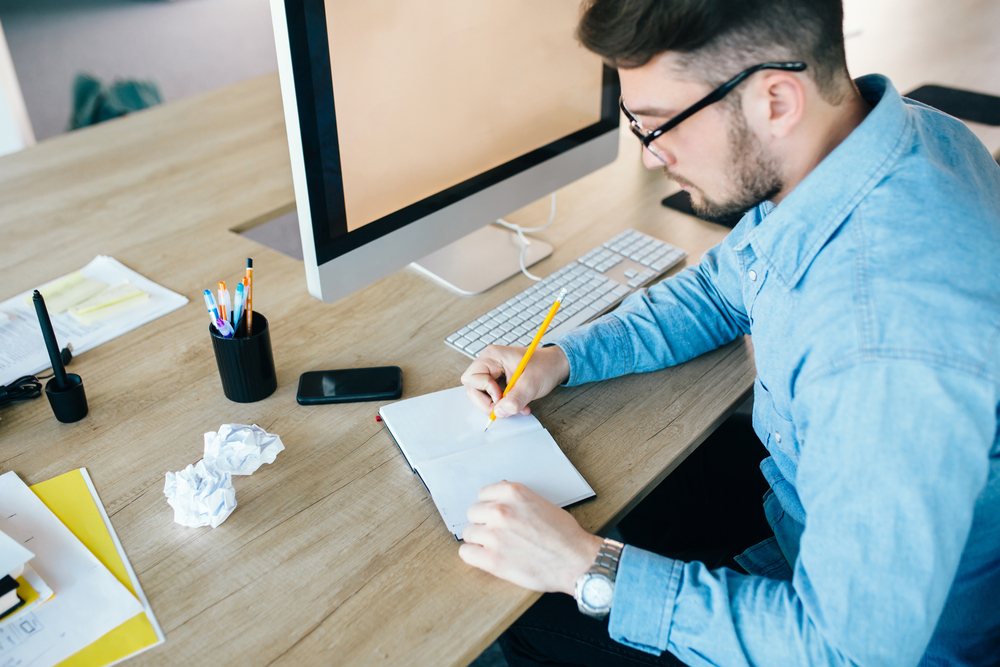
x,y
596,587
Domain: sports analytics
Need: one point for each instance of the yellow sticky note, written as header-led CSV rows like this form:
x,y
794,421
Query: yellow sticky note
x,y
108,302
69,498
67,292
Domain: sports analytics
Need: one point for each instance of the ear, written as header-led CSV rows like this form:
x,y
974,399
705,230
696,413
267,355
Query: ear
x,y
776,104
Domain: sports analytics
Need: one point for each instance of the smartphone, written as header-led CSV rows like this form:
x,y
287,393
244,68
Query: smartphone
x,y
680,201
350,385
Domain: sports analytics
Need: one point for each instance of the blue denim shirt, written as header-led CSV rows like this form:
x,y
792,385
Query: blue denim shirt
x,y
873,296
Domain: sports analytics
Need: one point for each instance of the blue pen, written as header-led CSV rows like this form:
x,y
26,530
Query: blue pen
x,y
213,310
238,305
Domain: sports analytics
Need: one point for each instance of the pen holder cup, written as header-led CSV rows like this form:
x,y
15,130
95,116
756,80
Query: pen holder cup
x,y
246,364
70,403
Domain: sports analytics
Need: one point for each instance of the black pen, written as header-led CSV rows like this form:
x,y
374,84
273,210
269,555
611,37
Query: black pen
x,y
59,371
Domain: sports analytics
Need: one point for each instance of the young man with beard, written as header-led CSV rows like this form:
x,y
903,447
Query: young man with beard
x,y
864,263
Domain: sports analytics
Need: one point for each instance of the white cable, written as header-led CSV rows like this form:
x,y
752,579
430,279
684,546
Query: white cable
x,y
524,240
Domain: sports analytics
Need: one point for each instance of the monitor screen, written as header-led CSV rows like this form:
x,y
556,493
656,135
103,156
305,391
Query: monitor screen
x,y
407,107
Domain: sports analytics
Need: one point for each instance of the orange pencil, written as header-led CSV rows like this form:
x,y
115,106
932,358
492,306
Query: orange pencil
x,y
529,352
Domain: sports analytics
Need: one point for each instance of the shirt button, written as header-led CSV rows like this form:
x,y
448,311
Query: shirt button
x,y
752,274
777,437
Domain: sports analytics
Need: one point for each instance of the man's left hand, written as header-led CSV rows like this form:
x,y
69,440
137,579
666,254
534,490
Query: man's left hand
x,y
517,535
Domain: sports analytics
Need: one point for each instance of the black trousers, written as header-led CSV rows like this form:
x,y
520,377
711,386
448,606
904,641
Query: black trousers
x,y
708,510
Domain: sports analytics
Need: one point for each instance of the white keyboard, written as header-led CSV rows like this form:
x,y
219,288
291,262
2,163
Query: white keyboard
x,y
595,283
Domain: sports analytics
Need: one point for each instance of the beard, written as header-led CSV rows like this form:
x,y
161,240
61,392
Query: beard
x,y
755,178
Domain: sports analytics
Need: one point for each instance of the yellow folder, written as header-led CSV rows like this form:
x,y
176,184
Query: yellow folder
x,y
73,499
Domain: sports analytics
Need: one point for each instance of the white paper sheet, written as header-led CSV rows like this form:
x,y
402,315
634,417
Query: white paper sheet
x,y
22,351
444,422
533,459
12,554
89,601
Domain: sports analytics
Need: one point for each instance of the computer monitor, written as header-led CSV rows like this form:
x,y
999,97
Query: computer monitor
x,y
413,124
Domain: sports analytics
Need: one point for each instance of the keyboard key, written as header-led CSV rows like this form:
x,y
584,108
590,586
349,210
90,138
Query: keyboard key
x,y
480,330
608,285
462,342
452,338
631,273
476,347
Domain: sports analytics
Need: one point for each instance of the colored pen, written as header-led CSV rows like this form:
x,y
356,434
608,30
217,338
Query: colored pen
x,y
49,336
249,296
224,306
213,310
531,350
225,328
238,306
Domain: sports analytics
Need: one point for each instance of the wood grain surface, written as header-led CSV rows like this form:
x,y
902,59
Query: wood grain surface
x,y
335,554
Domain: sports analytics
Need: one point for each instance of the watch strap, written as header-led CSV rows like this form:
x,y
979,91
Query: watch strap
x,y
607,558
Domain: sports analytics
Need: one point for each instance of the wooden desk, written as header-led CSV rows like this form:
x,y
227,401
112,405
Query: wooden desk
x,y
335,554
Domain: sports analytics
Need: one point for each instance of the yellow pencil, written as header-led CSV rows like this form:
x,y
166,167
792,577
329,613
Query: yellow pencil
x,y
529,352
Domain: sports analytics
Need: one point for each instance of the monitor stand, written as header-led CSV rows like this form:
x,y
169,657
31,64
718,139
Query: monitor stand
x,y
477,262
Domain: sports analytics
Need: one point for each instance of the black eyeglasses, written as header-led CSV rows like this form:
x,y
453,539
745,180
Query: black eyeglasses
x,y
648,137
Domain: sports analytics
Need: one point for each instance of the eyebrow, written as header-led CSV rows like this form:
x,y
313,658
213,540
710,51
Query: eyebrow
x,y
653,113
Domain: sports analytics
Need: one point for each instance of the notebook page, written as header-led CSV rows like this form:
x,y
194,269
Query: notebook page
x,y
533,459
444,422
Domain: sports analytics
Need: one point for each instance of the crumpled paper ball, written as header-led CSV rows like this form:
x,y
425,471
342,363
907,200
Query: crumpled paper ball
x,y
200,496
239,449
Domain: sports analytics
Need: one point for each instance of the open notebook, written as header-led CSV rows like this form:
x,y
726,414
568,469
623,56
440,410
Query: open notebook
x,y
441,435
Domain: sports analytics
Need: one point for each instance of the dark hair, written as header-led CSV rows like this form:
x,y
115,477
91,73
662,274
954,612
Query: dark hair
x,y
715,39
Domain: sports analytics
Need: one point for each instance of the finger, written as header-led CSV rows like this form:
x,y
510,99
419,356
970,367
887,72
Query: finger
x,y
483,512
480,400
494,492
474,555
517,399
482,381
477,534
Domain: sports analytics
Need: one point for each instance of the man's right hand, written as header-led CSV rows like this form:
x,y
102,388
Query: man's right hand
x,y
547,369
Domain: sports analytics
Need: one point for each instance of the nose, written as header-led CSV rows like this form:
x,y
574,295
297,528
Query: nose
x,y
651,161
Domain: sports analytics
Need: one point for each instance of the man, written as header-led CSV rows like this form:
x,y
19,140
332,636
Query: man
x,y
864,263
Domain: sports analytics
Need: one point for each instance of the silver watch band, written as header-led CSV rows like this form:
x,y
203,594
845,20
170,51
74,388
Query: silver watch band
x,y
607,558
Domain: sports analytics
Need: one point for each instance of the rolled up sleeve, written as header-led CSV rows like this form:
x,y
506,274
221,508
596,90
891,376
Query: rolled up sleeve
x,y
698,310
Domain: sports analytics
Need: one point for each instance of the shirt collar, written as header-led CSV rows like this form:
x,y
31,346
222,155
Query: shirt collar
x,y
793,233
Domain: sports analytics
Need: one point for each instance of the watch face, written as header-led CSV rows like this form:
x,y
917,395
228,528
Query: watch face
x,y
597,592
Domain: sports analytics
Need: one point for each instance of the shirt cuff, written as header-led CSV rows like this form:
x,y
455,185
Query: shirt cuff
x,y
597,351
642,610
